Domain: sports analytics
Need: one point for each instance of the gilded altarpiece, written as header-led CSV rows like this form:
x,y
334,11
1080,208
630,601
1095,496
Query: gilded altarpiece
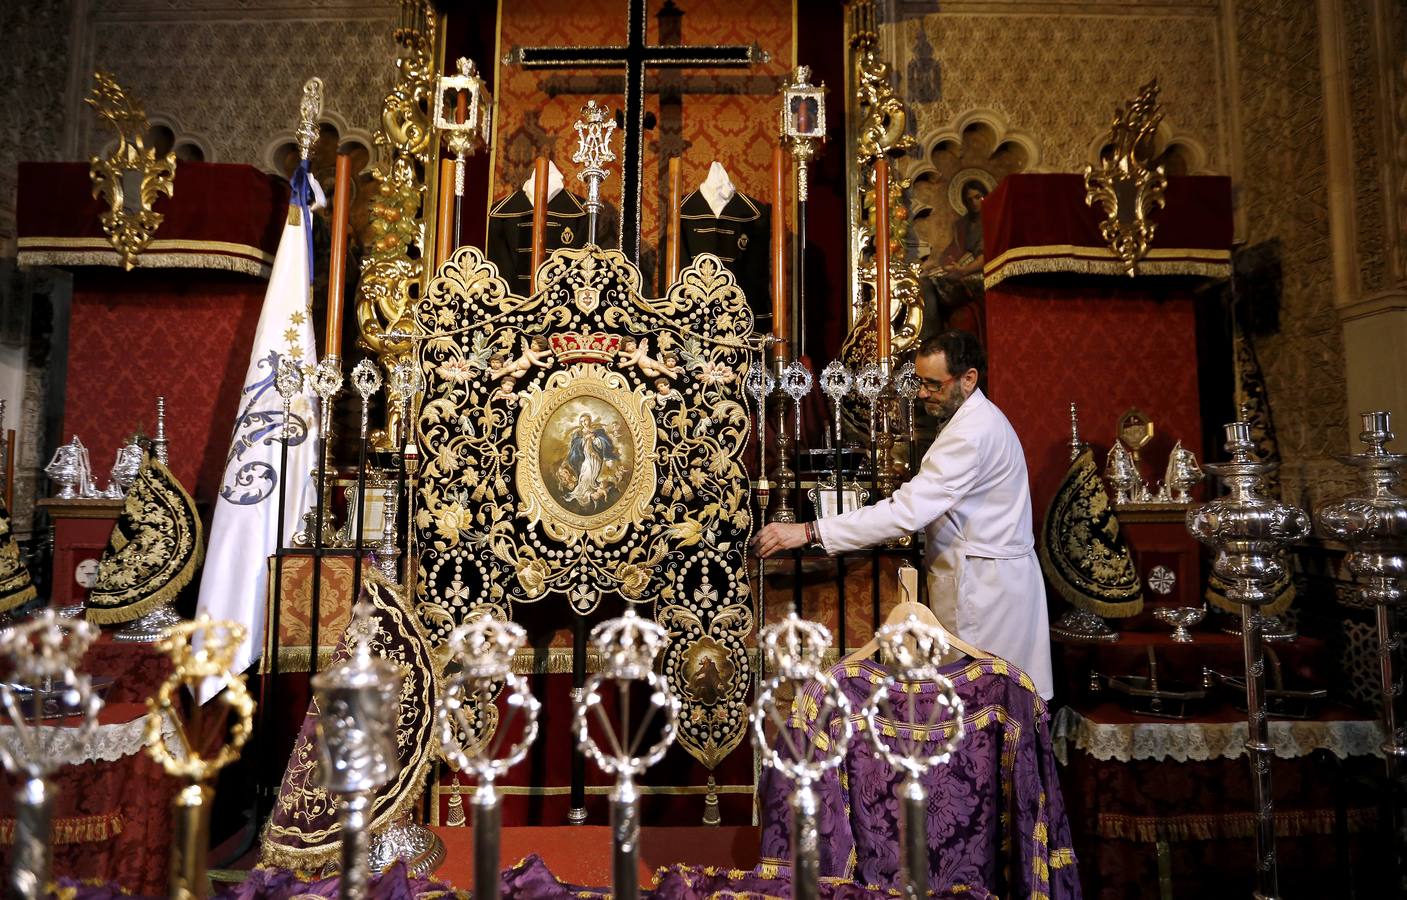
x,y
585,443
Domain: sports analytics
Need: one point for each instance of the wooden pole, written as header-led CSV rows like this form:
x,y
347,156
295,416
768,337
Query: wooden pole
x,y
881,260
539,216
780,299
337,268
673,241
444,216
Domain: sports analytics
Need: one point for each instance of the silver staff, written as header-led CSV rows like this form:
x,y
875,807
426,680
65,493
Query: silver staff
x,y
44,654
1249,531
836,383
357,702
1374,525
593,150
627,647
484,648
914,649
794,649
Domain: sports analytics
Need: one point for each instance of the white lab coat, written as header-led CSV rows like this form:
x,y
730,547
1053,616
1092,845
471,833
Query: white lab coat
x,y
972,499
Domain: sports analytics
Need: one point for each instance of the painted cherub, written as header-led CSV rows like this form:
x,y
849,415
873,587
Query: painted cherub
x,y
504,391
637,353
535,353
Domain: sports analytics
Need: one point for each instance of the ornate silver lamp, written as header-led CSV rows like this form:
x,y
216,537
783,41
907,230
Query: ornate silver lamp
x,y
593,150
484,648
466,137
627,647
794,649
357,742
1249,531
914,649
44,653
1374,525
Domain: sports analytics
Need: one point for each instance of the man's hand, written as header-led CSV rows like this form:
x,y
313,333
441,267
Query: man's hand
x,y
775,538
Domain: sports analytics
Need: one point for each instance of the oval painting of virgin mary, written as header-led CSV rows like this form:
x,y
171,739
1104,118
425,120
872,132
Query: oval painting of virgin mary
x,y
587,456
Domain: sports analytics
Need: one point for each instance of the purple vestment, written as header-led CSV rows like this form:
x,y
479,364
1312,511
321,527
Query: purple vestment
x,y
996,819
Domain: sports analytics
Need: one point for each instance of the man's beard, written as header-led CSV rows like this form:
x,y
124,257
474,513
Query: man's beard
x,y
944,410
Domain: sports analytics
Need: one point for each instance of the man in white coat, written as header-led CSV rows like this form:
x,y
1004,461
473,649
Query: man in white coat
x,y
972,499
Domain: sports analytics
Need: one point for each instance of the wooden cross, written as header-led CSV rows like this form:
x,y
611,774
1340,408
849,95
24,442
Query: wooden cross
x,y
635,56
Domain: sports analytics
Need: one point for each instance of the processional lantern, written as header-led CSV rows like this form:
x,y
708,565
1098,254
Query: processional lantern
x,y
803,123
463,111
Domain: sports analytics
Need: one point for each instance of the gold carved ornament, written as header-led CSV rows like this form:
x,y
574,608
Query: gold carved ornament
x,y
392,277
1124,185
584,443
882,131
131,177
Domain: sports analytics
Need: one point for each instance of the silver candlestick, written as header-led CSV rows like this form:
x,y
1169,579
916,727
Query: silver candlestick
x,y
1249,532
1077,446
914,650
627,647
593,150
357,699
1374,525
484,647
836,383
44,654
794,649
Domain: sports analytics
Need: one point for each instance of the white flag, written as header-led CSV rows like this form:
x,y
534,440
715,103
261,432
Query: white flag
x,y
243,534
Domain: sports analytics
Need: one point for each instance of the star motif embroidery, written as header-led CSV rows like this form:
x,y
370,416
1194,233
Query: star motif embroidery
x,y
291,336
297,318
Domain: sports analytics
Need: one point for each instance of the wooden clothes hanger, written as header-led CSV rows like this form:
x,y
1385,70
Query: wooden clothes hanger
x,y
909,607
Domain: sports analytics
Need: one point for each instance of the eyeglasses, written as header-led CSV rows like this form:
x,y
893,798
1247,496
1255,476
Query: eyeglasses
x,y
933,386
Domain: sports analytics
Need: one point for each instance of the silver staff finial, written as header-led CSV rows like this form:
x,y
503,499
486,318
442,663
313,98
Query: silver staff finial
x,y
593,130
309,109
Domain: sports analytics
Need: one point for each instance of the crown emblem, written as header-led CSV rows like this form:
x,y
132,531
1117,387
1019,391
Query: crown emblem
x,y
485,645
628,645
794,647
47,645
572,347
913,647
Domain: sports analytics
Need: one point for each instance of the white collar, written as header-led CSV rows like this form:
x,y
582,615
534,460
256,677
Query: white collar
x,y
717,189
554,183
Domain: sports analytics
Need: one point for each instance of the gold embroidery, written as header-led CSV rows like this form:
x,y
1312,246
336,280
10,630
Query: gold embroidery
x,y
154,550
16,587
1082,551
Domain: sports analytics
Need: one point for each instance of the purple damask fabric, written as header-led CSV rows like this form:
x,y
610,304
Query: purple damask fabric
x,y
996,819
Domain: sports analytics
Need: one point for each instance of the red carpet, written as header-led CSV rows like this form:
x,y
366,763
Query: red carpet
x,y
582,854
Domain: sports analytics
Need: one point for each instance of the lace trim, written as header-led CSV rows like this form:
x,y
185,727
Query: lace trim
x,y
1202,741
107,743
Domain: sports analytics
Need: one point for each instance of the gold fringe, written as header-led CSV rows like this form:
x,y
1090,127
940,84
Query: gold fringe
x,y
1103,608
18,599
1059,261
77,830
168,592
1296,823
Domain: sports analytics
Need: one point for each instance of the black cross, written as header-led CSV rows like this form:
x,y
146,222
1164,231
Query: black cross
x,y
634,56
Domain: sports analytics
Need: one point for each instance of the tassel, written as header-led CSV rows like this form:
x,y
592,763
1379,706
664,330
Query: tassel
x,y
455,816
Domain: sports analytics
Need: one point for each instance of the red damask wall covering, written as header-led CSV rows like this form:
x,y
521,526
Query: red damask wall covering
x,y
185,334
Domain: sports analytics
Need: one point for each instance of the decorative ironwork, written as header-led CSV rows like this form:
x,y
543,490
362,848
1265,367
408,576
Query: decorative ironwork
x,y
1124,184
587,442
131,177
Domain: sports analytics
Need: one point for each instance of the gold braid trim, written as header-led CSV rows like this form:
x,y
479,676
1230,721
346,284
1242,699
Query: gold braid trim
x,y
1294,823
14,601
1090,261
154,470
